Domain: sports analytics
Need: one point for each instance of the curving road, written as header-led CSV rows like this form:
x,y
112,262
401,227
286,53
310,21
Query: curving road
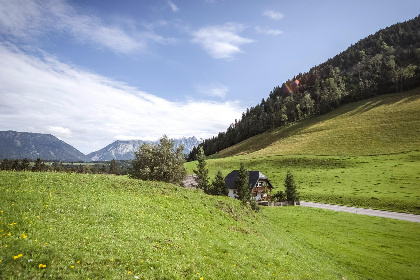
x,y
363,211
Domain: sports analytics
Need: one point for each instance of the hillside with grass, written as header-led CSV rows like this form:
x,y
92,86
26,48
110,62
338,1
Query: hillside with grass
x,y
76,226
384,124
364,154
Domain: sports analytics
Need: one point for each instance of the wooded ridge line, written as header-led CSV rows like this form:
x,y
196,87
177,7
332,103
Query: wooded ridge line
x,y
387,61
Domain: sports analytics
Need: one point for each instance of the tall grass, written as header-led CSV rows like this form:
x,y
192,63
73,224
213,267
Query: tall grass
x,y
75,226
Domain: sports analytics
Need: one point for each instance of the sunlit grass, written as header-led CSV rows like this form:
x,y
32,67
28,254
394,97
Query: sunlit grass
x,y
73,226
364,154
381,125
387,182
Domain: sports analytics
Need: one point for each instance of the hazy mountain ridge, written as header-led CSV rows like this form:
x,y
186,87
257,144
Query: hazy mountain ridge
x,y
124,150
20,145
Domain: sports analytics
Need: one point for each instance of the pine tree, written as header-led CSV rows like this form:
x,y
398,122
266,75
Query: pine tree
x,y
38,165
202,172
113,167
243,189
218,185
24,165
292,194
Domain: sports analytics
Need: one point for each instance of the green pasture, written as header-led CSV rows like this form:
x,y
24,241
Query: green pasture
x,y
364,154
387,182
77,226
384,124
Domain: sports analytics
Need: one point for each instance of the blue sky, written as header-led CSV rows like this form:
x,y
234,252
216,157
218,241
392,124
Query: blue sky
x,y
91,72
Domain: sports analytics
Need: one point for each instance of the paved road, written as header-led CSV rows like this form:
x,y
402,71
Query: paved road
x,y
363,211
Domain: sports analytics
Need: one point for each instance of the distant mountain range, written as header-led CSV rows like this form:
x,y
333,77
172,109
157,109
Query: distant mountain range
x,y
20,145
123,150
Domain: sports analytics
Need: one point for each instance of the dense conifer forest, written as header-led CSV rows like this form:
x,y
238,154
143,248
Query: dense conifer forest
x,y
387,61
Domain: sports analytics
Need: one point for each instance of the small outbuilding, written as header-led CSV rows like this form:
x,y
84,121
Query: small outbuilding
x,y
259,184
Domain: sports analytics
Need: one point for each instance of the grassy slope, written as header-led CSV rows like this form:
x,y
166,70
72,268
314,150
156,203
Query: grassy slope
x,y
86,226
382,125
364,154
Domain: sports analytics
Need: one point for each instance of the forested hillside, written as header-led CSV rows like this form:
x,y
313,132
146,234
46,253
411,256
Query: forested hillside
x,y
385,62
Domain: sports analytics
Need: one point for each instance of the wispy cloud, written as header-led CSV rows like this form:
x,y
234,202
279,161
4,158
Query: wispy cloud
x,y
32,19
268,31
273,15
173,7
221,41
213,89
87,110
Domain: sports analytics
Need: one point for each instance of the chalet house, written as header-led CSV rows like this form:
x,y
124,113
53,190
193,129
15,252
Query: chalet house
x,y
259,184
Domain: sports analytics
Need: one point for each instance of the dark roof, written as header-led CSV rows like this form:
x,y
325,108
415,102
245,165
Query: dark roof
x,y
254,176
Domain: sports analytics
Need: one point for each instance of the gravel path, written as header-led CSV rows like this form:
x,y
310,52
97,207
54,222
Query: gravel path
x,y
363,211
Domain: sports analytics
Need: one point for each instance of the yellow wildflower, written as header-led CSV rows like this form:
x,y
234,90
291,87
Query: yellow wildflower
x,y
18,256
42,265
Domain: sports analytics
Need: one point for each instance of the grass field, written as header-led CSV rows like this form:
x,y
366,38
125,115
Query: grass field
x,y
387,182
75,226
384,124
364,154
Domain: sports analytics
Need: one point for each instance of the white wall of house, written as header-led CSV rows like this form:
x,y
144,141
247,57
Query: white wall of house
x,y
257,197
232,193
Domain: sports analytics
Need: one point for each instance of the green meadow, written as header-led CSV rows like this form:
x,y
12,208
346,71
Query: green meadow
x,y
77,226
386,182
364,154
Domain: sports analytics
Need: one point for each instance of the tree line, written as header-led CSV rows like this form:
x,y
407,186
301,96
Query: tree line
x,y
387,61
111,167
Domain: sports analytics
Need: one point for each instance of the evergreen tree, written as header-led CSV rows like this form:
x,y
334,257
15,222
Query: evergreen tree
x,y
218,185
292,194
15,165
38,165
5,164
243,189
202,172
113,167
24,165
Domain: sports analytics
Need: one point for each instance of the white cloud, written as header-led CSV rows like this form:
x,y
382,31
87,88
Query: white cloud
x,y
221,41
30,19
59,131
268,31
173,7
273,15
213,89
41,94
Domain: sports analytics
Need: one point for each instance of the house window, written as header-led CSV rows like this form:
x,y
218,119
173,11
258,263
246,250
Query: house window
x,y
260,184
